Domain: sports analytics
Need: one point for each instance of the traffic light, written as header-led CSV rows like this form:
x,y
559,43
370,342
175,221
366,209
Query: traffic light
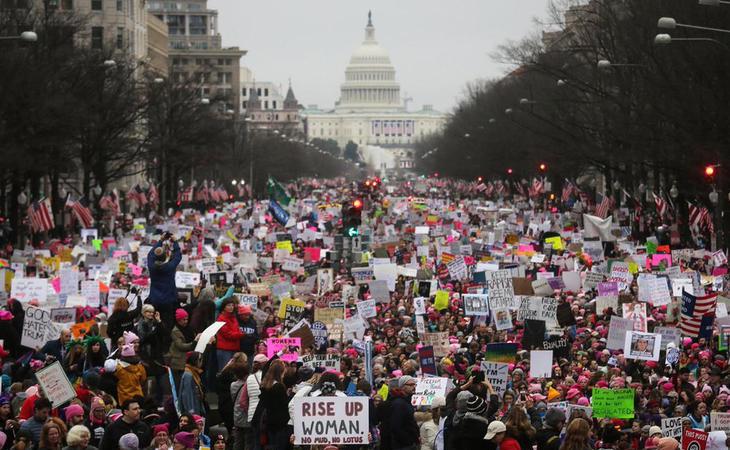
x,y
352,218
710,171
509,171
543,167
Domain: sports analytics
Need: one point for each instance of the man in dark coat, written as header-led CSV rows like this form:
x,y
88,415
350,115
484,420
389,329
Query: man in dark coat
x,y
162,262
404,431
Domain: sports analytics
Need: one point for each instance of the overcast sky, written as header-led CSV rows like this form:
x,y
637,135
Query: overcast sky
x,y
436,46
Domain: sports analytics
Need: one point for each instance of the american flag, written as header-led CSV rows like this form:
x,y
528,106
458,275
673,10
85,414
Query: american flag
x,y
202,194
40,215
604,206
520,189
213,193
490,189
222,194
536,188
661,205
697,314
152,195
110,202
81,211
185,195
137,194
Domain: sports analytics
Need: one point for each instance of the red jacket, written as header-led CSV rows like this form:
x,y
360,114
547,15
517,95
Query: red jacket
x,y
229,336
509,444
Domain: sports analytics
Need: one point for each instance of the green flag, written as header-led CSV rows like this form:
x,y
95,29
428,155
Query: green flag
x,y
278,192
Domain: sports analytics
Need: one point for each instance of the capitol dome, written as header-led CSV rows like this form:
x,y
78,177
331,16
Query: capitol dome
x,y
370,78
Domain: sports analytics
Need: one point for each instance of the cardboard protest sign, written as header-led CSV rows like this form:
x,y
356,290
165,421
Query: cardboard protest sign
x,y
577,409
693,439
427,388
559,345
63,315
289,346
592,279
248,299
500,289
292,306
55,384
439,341
206,336
497,373
669,334
502,319
476,304
419,305
379,291
644,346
672,427
362,275
303,331
637,314
613,403
90,291
330,420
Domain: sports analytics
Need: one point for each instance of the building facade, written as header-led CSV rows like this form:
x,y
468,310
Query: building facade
x,y
196,51
371,113
266,108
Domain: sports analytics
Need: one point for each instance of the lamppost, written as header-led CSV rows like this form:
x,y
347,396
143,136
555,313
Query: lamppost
x,y
25,36
666,39
668,23
674,194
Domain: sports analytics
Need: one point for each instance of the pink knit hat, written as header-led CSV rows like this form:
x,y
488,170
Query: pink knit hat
x,y
128,350
130,338
73,411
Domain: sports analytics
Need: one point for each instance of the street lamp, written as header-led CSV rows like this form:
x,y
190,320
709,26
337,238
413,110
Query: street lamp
x,y
109,63
205,101
674,192
668,23
22,198
467,135
25,36
492,120
605,64
508,111
714,197
525,101
234,182
666,39
562,83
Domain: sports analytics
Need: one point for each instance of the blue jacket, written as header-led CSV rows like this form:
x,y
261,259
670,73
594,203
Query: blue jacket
x,y
162,277
190,401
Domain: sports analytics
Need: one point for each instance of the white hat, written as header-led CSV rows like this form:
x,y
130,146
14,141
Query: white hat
x,y
495,428
110,366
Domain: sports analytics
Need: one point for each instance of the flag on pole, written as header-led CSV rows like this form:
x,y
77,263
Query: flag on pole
x,y
137,194
81,211
604,206
110,202
40,215
277,192
697,314
661,205
152,195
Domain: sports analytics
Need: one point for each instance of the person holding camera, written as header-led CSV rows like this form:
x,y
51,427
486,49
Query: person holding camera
x,y
162,262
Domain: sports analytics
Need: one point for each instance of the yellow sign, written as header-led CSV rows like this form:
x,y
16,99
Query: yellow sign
x,y
383,391
122,266
442,300
291,303
556,242
284,245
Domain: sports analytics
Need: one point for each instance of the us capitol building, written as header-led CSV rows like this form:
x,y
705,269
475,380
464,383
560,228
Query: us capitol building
x,y
372,114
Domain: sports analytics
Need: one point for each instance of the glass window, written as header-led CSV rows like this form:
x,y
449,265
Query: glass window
x,y
198,25
120,5
266,92
176,25
243,92
96,5
67,5
97,38
245,105
194,7
273,103
120,38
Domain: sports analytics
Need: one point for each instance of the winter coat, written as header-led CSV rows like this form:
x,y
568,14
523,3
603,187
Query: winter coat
x,y
130,378
403,426
179,349
162,277
253,388
470,432
229,336
190,396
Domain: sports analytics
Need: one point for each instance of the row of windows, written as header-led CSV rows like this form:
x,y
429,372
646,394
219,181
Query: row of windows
x,y
204,77
175,6
371,76
258,91
98,5
200,61
97,38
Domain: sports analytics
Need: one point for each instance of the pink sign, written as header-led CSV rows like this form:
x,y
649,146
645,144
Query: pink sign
x,y
657,258
290,348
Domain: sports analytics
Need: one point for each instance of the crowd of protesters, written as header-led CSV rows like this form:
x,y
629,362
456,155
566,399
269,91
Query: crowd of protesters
x,y
141,384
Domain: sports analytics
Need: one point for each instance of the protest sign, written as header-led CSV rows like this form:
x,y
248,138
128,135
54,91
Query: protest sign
x,y
541,363
500,289
69,279
63,315
637,314
35,327
55,384
379,291
503,352
617,330
476,304
439,341
330,420
289,348
186,279
248,299
90,291
419,305
27,289
329,361
207,335
644,346
719,421
559,345
427,360
366,309
613,403
502,319
669,334
693,439
592,279
672,427
427,388
292,306
605,302
497,373
319,332
577,409
362,274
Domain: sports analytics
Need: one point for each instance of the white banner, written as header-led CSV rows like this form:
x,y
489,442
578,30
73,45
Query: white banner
x,y
330,420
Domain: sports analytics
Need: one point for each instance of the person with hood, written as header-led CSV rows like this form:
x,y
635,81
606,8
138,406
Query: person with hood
x,y
402,422
228,339
192,394
471,429
162,262
183,341
429,430
454,419
131,374
548,438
